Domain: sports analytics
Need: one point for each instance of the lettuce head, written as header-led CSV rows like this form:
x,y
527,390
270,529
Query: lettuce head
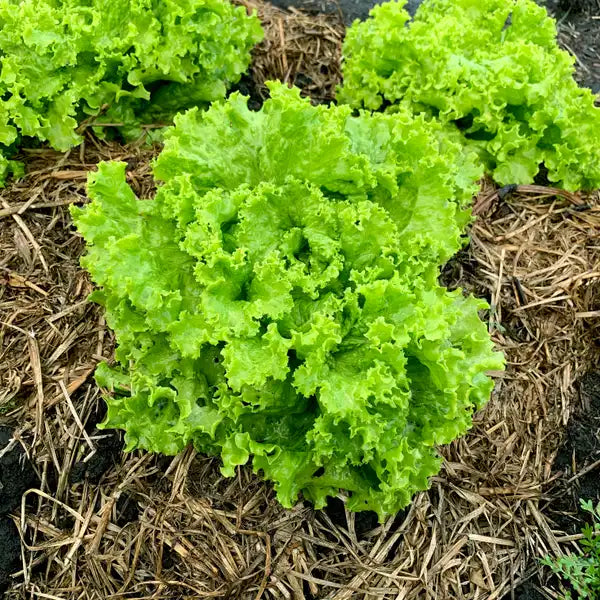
x,y
489,69
123,63
277,300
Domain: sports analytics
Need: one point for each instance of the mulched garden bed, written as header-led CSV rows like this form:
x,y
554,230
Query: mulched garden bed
x,y
99,524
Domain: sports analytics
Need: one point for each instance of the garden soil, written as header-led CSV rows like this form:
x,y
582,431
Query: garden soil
x,y
580,454
576,466
98,523
579,33
16,476
10,551
348,10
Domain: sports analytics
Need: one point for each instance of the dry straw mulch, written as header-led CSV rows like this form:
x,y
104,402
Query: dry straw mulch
x,y
298,49
156,527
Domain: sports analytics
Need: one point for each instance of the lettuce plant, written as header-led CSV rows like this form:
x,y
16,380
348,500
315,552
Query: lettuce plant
x,y
126,62
490,68
278,298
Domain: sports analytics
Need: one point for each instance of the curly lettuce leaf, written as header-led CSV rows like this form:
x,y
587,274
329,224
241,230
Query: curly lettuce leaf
x,y
289,315
490,69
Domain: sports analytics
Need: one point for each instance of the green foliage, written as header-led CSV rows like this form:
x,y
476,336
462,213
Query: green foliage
x,y
10,168
492,69
582,571
278,298
133,61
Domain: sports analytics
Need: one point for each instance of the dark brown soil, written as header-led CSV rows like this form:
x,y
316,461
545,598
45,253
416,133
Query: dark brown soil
x,y
579,33
349,10
16,473
578,457
108,443
16,476
526,591
578,5
364,522
247,87
128,510
10,552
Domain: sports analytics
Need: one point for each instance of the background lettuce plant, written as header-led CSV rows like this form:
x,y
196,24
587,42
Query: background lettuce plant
x,y
278,298
131,62
490,68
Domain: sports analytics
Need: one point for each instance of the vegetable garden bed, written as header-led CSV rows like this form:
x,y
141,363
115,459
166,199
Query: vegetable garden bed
x,y
103,524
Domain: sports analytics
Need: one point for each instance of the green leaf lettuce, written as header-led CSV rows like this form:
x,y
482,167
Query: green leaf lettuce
x,y
490,69
277,301
123,63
